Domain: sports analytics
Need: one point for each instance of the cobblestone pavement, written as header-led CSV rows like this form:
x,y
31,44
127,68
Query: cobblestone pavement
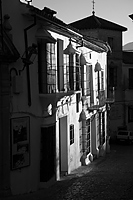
x,y
109,177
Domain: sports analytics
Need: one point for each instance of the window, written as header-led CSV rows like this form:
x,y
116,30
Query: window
x,y
80,138
97,128
103,127
86,78
130,78
72,74
97,85
102,80
88,143
112,76
72,78
78,73
46,67
110,41
130,113
71,134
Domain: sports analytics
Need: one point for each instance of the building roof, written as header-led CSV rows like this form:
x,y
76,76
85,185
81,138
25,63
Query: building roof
x,y
94,22
127,57
49,16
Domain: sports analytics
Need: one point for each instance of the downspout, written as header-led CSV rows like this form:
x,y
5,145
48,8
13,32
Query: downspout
x,y
1,24
27,65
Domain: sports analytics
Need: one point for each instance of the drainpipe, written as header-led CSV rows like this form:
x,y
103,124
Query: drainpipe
x,y
27,65
1,24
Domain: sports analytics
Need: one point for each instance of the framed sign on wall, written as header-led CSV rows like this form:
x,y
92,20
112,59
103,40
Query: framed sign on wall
x,y
20,142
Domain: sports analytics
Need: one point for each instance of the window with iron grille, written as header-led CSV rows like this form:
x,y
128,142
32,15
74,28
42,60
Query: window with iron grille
x,y
78,73
130,78
130,114
102,80
66,73
86,79
101,128
71,134
88,142
46,67
96,83
97,128
72,74
80,139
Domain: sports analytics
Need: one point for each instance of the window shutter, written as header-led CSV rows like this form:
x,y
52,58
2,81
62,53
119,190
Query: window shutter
x,y
60,66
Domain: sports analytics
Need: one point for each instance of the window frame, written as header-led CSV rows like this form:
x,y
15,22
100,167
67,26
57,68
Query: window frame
x,y
47,69
88,136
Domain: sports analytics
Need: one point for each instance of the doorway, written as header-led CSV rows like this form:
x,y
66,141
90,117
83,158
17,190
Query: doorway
x,y
47,161
63,145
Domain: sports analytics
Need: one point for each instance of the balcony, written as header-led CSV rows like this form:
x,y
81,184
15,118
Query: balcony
x,y
59,83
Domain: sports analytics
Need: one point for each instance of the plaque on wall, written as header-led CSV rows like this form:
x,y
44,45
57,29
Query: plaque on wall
x,y
20,142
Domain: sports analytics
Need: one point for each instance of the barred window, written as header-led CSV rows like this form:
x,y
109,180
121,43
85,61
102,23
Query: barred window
x,y
72,73
46,67
88,143
86,79
102,80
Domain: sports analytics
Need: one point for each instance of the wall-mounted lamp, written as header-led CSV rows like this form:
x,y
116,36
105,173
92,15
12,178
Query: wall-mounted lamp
x,y
29,56
70,50
82,60
97,67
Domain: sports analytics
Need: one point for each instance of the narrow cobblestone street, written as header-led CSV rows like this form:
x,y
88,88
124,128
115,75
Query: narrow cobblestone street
x,y
109,177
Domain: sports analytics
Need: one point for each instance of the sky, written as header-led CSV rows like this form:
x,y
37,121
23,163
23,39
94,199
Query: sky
x,y
116,11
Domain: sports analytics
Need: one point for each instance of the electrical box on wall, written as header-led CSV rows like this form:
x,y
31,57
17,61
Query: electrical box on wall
x,y
17,84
